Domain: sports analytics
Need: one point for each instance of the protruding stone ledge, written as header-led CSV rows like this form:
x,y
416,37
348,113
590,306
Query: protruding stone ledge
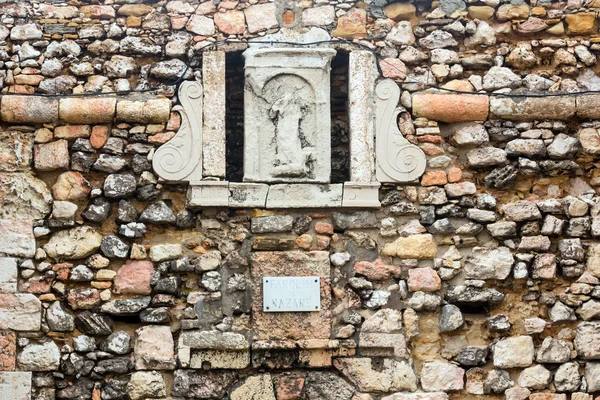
x,y
531,108
294,195
20,109
588,106
451,107
154,111
28,109
93,110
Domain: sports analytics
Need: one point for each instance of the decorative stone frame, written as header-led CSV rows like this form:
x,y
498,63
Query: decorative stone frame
x,y
378,151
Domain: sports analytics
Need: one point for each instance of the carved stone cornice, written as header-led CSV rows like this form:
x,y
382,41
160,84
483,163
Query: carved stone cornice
x,y
180,159
397,159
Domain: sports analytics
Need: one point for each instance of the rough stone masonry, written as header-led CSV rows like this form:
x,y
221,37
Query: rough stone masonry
x,y
479,280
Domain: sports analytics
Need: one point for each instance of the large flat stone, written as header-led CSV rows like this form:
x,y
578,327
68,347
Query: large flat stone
x,y
532,108
304,196
15,385
451,107
22,196
154,348
73,244
288,325
16,238
20,312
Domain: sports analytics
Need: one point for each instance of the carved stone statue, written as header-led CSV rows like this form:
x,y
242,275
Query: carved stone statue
x,y
287,128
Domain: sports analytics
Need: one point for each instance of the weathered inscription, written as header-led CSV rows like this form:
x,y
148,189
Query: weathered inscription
x,y
291,293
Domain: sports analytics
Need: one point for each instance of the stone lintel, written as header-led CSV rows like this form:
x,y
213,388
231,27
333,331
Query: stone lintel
x,y
532,108
361,194
304,195
213,131
295,195
446,107
208,194
253,195
361,111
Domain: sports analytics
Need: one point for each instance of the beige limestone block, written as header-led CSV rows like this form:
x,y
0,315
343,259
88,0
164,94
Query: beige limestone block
x,y
15,385
588,106
255,387
154,111
532,108
415,246
220,359
392,375
213,132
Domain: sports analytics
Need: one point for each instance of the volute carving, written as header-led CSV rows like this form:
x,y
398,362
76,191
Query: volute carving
x,y
397,159
180,159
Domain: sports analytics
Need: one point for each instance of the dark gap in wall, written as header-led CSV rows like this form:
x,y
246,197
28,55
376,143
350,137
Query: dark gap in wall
x,y
474,308
234,120
340,167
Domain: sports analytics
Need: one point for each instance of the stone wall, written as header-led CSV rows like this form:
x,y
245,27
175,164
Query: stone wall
x,y
481,280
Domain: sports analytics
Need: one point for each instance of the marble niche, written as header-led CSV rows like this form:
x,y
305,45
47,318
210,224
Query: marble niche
x,y
287,123
287,131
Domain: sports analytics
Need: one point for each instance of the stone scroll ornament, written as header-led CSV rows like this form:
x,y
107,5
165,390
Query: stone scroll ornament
x,y
180,159
397,159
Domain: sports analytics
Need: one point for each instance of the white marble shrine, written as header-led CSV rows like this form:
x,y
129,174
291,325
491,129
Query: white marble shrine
x,y
287,130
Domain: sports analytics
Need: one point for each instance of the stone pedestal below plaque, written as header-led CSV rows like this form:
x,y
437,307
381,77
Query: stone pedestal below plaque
x,y
291,325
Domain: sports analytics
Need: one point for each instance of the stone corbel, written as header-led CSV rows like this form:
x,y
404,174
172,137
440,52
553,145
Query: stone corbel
x,y
397,159
180,159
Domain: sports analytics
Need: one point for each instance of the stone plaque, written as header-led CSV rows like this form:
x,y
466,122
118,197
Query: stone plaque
x,y
291,325
293,293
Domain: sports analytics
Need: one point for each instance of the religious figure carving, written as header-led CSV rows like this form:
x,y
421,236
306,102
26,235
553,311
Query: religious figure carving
x,y
287,113
287,125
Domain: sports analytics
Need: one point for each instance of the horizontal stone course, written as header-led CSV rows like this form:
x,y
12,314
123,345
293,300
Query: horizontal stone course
x,y
33,110
451,107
